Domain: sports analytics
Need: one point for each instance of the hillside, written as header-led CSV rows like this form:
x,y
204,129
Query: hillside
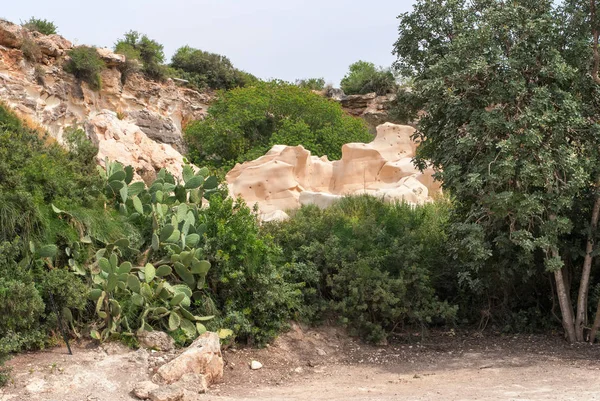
x,y
138,122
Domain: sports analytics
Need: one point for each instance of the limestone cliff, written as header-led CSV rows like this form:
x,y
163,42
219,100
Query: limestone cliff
x,y
138,122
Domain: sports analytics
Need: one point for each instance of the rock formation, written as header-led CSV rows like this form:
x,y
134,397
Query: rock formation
x,y
288,176
138,123
370,107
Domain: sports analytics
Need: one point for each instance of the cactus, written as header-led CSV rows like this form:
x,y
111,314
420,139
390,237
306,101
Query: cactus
x,y
163,292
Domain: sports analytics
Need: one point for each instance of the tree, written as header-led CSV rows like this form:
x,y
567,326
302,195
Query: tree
x,y
509,124
150,53
204,69
243,123
364,78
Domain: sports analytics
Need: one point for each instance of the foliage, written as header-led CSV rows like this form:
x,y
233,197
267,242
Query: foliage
x,y
315,84
364,78
137,46
152,295
208,70
244,122
246,288
36,173
85,63
41,25
509,123
372,264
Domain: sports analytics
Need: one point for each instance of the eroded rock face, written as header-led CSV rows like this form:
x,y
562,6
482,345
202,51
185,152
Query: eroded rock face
x,y
138,123
11,35
370,107
288,176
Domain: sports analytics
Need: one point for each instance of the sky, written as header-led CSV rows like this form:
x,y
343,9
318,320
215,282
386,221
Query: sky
x,y
285,39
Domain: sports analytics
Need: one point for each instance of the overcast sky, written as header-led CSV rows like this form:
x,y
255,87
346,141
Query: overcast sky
x,y
285,39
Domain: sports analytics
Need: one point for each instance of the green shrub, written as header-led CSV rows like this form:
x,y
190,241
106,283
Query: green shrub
x,y
136,46
132,63
85,63
364,78
244,122
36,174
21,305
316,84
40,25
374,265
245,287
208,70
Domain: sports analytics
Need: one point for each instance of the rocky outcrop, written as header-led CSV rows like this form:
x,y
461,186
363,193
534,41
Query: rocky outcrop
x,y
372,108
11,35
288,176
138,123
158,128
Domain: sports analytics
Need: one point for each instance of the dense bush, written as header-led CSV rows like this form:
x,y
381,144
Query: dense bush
x,y
136,46
208,70
85,63
315,84
246,286
374,265
364,78
244,122
37,175
40,25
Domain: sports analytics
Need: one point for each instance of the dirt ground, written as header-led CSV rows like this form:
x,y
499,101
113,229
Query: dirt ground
x,y
325,364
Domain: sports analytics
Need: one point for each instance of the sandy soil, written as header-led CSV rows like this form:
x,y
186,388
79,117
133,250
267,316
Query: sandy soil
x,y
324,364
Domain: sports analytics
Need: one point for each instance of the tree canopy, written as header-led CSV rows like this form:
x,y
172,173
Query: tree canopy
x,y
209,70
243,123
509,121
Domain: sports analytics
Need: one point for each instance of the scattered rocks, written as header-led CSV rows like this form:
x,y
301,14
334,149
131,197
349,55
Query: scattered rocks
x,y
321,352
156,340
202,357
142,390
140,356
255,365
167,393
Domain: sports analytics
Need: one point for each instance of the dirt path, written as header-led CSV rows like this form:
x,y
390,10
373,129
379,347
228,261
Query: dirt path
x,y
326,365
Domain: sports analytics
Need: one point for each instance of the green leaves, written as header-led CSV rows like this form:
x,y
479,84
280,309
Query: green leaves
x,y
166,232
174,321
149,272
195,182
48,251
137,204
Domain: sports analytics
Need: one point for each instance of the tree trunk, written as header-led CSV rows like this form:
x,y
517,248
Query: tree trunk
x,y
585,274
565,306
596,325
